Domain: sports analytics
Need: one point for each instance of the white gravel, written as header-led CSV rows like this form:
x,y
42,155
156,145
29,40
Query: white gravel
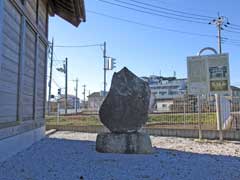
x,y
72,155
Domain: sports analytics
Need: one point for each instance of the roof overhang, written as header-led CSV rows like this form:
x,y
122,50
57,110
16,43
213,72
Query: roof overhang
x,y
72,11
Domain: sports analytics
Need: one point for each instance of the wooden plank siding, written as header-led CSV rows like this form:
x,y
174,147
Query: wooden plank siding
x,y
28,79
40,110
1,30
42,17
31,7
35,77
9,63
23,61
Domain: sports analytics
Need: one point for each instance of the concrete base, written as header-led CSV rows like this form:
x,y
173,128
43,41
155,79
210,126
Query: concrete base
x,y
128,143
12,145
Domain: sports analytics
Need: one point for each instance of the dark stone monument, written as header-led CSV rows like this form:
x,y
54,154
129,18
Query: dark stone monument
x,y
124,111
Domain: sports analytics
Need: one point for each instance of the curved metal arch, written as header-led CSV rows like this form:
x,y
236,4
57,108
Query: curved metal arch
x,y
207,48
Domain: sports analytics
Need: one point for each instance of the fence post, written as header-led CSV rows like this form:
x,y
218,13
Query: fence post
x,y
184,111
58,111
219,119
199,118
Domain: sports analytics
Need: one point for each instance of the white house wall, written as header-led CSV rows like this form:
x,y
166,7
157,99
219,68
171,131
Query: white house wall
x,y
164,106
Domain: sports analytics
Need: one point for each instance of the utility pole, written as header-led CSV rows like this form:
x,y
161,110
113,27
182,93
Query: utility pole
x,y
109,64
50,77
76,96
219,38
84,95
66,84
219,22
104,68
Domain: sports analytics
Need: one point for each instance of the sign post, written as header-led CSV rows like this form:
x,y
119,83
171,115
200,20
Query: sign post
x,y
208,74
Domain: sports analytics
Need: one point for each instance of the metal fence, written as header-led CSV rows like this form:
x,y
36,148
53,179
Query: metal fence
x,y
186,113
235,112
197,112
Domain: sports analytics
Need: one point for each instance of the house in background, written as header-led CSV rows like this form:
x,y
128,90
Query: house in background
x,y
235,91
164,90
235,98
23,67
72,102
95,101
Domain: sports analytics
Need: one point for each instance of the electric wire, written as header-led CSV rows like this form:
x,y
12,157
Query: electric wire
x,y
150,26
160,11
236,32
228,42
173,10
151,13
78,46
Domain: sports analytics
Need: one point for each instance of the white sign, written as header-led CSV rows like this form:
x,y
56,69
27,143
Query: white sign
x,y
208,74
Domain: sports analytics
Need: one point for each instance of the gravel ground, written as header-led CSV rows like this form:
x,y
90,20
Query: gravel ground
x,y
72,156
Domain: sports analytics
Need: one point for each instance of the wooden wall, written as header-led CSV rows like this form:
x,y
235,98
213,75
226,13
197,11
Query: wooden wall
x,y
43,15
28,74
23,63
9,63
40,108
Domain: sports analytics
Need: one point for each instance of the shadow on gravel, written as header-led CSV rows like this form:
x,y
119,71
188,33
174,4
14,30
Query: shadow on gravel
x,y
61,159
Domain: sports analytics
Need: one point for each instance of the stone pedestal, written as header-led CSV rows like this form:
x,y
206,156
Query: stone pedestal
x,y
129,143
124,111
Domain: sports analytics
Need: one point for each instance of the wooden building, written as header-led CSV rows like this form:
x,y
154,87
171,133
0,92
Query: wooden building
x,y
23,67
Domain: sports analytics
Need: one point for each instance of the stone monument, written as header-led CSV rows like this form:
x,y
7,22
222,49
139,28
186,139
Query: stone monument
x,y
124,111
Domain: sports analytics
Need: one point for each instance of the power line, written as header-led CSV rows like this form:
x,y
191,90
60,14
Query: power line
x,y
56,83
146,6
232,44
237,32
234,28
228,42
58,60
54,54
173,10
157,14
236,25
234,40
161,1
78,46
150,13
150,26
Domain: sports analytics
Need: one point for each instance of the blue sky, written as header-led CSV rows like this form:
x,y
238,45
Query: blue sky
x,y
144,50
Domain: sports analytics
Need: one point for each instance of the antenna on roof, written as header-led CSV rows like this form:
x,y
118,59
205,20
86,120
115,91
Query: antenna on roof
x,y
174,74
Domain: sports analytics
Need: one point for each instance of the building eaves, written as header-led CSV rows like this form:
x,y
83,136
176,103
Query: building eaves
x,y
72,11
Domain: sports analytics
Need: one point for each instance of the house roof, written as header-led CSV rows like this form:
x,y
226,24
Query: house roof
x,y
72,11
69,96
95,94
235,88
